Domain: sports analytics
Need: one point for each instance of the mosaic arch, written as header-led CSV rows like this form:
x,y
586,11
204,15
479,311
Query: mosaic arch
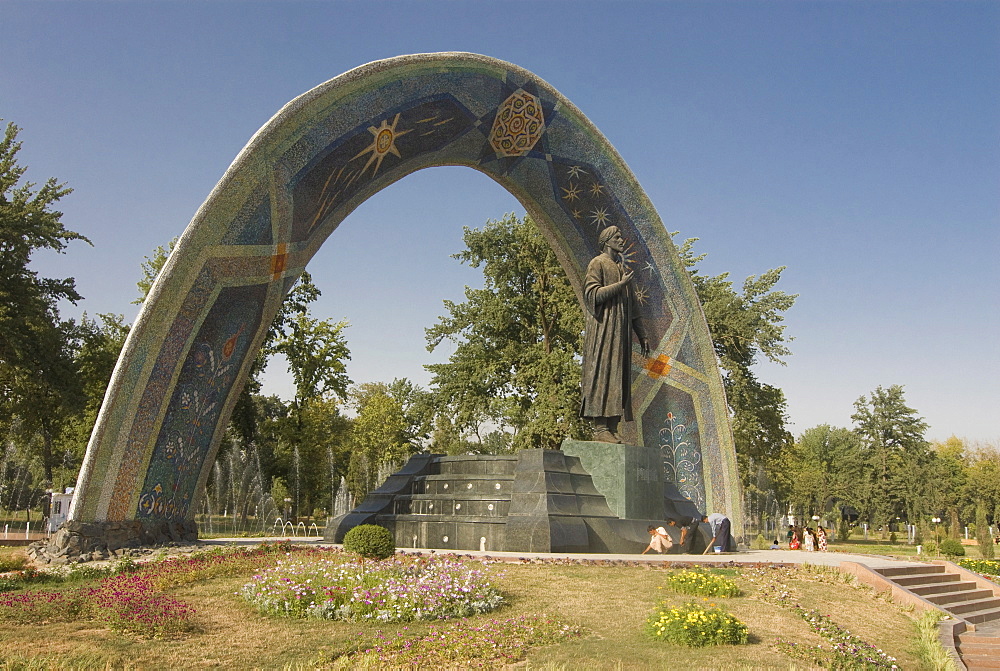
x,y
320,157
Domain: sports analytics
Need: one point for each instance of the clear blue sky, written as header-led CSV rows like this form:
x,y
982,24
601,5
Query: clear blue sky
x,y
857,143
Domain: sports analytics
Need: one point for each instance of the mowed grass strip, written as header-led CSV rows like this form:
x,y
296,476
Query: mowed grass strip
x,y
610,603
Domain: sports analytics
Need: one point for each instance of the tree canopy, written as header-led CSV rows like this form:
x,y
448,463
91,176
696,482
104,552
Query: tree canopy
x,y
39,383
518,339
746,326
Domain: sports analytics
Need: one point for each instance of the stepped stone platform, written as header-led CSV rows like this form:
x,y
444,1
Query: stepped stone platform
x,y
531,501
972,634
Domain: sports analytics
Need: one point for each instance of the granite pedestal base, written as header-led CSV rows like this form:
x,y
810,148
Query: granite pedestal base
x,y
632,479
533,501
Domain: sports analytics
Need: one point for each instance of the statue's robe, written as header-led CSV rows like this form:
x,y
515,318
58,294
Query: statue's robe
x,y
612,315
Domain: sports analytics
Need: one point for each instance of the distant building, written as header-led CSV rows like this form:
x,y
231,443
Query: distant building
x,y
60,509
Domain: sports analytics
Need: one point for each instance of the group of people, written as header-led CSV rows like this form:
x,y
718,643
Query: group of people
x,y
720,525
806,538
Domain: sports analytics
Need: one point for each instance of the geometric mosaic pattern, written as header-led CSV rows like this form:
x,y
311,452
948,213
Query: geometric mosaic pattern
x,y
518,126
322,155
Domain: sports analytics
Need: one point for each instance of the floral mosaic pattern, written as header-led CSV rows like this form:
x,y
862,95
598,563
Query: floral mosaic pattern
x,y
682,459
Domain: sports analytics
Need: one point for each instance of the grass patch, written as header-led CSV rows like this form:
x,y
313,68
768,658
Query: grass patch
x,y
12,559
558,615
928,646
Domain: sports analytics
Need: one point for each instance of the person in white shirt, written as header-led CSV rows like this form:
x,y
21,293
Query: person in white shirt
x,y
659,540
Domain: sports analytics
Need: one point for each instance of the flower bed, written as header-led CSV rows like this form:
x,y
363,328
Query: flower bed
x,y
393,590
988,568
126,603
697,624
846,650
701,583
128,597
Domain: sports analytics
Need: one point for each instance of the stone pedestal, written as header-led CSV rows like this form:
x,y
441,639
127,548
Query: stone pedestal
x,y
533,501
629,476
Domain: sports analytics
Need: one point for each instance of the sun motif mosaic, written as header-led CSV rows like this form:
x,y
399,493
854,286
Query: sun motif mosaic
x,y
383,143
518,126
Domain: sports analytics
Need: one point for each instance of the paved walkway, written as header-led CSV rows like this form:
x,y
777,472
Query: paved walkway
x,y
744,557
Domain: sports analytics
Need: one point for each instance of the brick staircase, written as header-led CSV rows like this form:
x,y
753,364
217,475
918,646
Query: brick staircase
x,y
980,649
973,601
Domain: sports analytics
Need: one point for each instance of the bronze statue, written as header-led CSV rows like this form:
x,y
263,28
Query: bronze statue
x,y
612,316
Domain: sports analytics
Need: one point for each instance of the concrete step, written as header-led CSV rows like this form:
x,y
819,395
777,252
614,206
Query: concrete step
x,y
893,571
975,638
976,606
976,662
979,617
941,587
975,648
965,594
925,579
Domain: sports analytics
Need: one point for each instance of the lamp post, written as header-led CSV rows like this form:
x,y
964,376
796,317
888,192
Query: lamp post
x,y
937,531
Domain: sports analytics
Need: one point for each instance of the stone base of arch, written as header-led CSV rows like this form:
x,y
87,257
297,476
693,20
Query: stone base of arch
x,y
91,541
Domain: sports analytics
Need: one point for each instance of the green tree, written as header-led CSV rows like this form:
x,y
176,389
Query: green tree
x,y
898,458
39,387
821,468
946,484
379,436
96,344
323,445
151,268
316,351
518,340
746,326
983,532
982,484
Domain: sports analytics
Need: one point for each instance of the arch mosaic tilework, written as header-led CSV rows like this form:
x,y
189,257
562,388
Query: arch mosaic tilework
x,y
321,156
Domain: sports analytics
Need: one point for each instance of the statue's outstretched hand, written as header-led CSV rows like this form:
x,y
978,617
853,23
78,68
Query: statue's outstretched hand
x,y
644,344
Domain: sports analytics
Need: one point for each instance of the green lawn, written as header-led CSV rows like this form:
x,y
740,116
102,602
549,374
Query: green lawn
x,y
610,603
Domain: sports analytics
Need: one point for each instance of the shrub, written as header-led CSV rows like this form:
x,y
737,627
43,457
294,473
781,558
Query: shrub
x,y
892,537
696,625
370,541
701,583
13,562
760,543
952,548
843,530
930,547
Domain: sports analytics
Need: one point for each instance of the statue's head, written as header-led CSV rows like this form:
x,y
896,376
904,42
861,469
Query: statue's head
x,y
610,236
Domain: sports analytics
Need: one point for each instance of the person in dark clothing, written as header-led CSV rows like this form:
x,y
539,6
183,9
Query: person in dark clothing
x,y
689,531
720,532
